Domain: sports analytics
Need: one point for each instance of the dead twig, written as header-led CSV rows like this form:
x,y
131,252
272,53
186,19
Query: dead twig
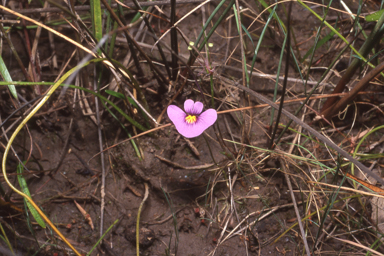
x,y
360,86
86,215
283,164
192,147
138,219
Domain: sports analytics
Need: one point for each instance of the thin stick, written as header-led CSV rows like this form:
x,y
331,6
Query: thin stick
x,y
283,165
102,190
138,219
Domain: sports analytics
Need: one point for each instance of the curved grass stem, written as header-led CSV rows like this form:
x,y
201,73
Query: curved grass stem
x,y
6,239
8,147
138,219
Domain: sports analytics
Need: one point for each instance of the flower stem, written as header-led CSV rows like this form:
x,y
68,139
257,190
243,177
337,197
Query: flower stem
x,y
212,94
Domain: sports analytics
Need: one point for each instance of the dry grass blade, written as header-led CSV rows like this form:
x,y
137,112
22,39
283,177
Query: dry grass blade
x,y
359,246
303,233
86,215
360,86
146,194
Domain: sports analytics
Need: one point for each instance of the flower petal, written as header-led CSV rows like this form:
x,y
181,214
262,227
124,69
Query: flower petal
x,y
176,115
206,119
197,108
188,106
187,130
193,108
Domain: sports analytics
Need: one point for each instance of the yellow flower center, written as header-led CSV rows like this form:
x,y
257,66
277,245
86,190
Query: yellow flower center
x,y
190,119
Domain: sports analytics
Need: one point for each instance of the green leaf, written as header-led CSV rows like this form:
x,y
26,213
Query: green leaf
x,y
249,35
5,238
25,190
138,15
320,43
96,16
266,6
130,100
374,16
97,20
121,96
239,24
7,77
116,94
261,38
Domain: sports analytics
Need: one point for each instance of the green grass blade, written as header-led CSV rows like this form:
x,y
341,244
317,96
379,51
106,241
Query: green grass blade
x,y
315,45
277,81
123,127
109,26
138,15
116,94
7,77
261,39
361,141
248,34
25,190
328,209
284,29
218,22
129,99
320,43
209,21
101,238
336,32
97,20
355,18
5,238
374,16
129,119
145,18
238,26
265,5
113,40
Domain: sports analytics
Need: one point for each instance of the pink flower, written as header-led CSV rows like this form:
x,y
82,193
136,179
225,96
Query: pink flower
x,y
191,123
